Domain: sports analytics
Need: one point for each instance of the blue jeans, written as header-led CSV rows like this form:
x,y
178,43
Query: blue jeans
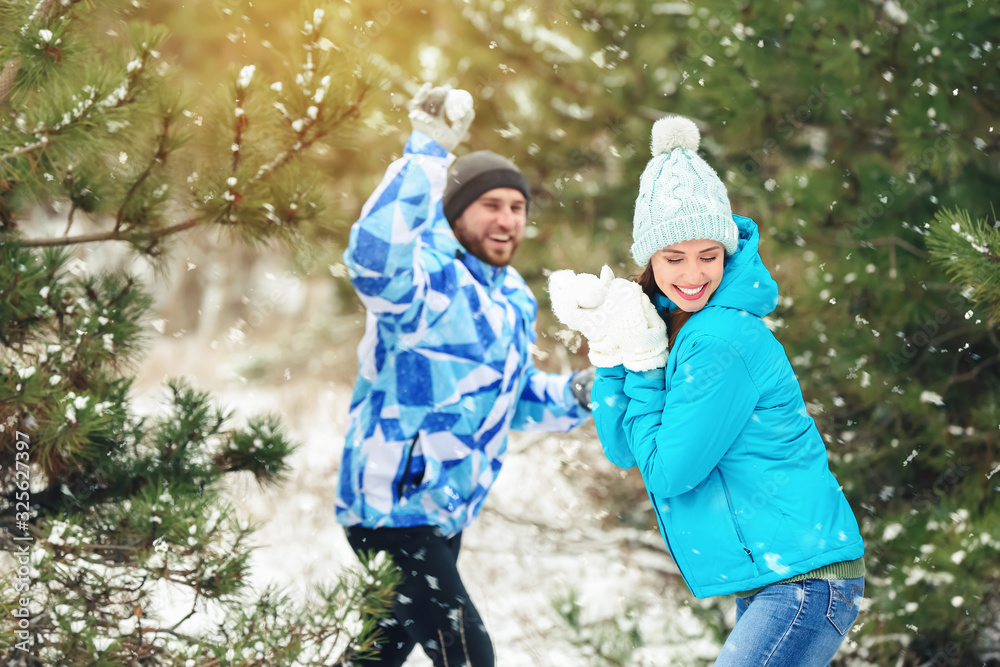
x,y
801,624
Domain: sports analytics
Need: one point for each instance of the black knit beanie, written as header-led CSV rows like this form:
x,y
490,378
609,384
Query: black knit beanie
x,y
473,174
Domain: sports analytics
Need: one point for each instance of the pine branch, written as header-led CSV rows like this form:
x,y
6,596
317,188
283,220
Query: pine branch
x,y
130,237
969,251
40,13
124,502
121,96
7,76
159,157
352,112
970,375
29,147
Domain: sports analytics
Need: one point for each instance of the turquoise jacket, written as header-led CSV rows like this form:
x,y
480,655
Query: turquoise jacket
x,y
734,465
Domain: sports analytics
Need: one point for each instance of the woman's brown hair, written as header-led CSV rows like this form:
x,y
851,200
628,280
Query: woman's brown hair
x,y
676,319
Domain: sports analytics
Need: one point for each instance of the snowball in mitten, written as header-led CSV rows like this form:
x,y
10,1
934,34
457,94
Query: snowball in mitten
x,y
576,302
443,114
577,296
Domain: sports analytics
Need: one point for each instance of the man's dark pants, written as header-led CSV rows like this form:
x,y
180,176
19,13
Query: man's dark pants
x,y
432,606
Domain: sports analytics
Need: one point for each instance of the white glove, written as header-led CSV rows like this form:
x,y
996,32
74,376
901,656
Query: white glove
x,y
577,296
443,114
631,321
576,302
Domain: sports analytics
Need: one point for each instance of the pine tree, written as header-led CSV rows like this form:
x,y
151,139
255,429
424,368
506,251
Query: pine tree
x,y
103,510
970,252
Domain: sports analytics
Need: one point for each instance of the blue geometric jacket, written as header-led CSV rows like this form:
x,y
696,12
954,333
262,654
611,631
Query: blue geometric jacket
x,y
444,368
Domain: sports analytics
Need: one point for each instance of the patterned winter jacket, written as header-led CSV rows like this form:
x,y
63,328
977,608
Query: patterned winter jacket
x,y
445,367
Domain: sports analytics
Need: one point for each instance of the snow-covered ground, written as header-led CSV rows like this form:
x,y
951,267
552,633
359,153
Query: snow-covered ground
x,y
245,328
260,339
540,536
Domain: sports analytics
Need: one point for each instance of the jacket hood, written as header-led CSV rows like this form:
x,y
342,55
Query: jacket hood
x,y
746,283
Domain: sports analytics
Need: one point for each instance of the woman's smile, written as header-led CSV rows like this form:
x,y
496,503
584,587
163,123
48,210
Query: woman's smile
x,y
689,272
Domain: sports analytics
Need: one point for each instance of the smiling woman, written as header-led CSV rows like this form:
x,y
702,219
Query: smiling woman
x,y
689,272
734,465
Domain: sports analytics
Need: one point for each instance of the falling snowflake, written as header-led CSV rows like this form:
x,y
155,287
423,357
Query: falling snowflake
x,y
931,397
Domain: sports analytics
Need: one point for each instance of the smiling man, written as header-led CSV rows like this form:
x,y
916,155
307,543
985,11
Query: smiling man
x,y
486,202
445,372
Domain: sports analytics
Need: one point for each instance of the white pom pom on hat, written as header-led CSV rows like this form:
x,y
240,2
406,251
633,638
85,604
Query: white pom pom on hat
x,y
674,132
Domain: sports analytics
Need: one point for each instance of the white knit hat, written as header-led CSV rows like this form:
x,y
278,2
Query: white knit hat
x,y
680,197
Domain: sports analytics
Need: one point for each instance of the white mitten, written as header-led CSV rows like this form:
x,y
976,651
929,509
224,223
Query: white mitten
x,y
443,114
577,296
576,302
604,352
633,323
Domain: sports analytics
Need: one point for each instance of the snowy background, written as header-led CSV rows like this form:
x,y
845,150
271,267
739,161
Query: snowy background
x,y
846,127
542,535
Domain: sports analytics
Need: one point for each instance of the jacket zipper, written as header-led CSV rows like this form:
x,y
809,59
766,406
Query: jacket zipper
x,y
406,470
736,524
